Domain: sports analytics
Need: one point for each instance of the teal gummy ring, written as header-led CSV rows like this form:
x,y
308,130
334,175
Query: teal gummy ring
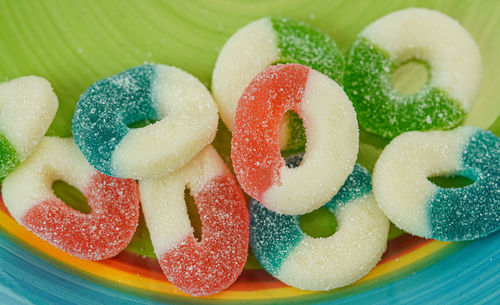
x,y
418,206
304,262
429,36
184,111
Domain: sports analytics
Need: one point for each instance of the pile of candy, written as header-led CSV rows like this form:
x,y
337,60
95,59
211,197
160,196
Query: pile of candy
x,y
270,76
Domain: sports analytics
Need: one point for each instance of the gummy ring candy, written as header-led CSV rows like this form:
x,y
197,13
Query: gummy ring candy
x,y
332,139
184,109
418,206
304,262
442,43
114,202
28,107
215,262
265,42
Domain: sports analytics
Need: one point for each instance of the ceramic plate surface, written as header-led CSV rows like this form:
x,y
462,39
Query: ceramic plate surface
x,y
75,43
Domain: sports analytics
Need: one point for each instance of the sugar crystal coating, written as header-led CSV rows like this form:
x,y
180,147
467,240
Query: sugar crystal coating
x,y
473,211
301,261
9,159
185,112
429,36
301,43
106,108
215,262
332,139
422,208
28,106
265,42
114,202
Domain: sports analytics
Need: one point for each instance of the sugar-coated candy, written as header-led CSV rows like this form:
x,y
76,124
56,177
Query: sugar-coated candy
x,y
331,130
185,112
302,261
442,43
420,207
28,106
215,262
265,42
114,202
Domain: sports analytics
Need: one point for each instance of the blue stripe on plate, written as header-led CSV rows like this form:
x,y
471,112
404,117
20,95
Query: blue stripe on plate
x,y
471,275
29,279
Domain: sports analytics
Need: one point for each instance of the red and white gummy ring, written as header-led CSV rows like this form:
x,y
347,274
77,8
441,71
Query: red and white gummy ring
x,y
114,202
216,261
331,130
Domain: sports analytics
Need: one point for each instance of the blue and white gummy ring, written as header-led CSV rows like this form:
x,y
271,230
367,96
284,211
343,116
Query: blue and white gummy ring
x,y
418,206
185,112
332,139
265,42
442,43
216,261
304,262
114,202
28,106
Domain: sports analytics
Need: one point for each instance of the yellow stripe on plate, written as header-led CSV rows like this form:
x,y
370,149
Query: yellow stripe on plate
x,y
405,259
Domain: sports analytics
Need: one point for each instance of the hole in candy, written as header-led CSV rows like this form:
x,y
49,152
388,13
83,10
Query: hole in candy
x,y
141,123
410,77
451,181
194,216
71,196
292,135
318,223
284,61
141,241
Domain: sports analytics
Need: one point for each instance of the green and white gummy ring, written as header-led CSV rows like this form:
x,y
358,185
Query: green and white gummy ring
x,y
265,42
442,43
418,206
28,106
